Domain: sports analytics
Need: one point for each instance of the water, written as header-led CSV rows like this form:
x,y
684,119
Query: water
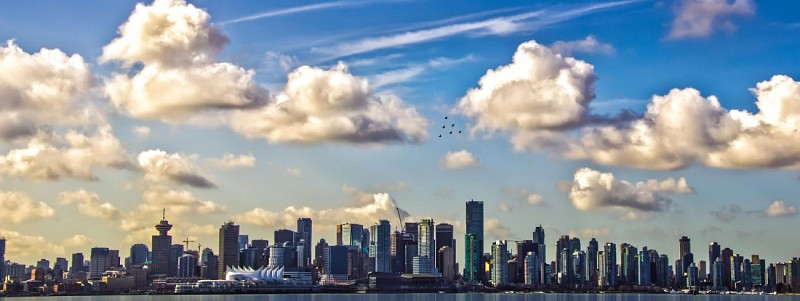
x,y
424,297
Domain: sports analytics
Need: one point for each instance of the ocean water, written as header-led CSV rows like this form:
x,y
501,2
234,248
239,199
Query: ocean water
x,y
425,297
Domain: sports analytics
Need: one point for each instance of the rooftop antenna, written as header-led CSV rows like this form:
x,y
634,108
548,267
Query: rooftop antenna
x,y
163,214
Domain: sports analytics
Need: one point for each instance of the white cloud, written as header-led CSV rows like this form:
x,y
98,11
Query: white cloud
x,y
700,18
21,247
505,207
41,88
442,62
458,160
77,241
295,10
524,196
779,208
176,45
594,190
141,131
495,26
332,105
534,199
284,62
18,207
496,230
588,45
229,161
177,203
159,166
89,204
382,206
539,91
75,155
683,127
668,186
396,76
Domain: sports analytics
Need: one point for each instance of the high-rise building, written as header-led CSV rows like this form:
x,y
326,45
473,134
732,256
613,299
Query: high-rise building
x,y
716,275
736,271
474,264
187,264
564,260
591,261
282,236
139,254
77,263
523,248
445,238
644,268
473,259
244,240
692,278
610,264
758,272
352,234
500,258
61,264
701,269
446,263
426,245
175,252
99,262
685,246
726,255
304,230
538,238
2,258
713,252
160,245
228,248
210,268
43,264
531,268
380,241
628,263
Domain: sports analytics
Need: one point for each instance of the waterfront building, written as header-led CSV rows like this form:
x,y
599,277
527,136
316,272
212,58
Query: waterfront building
x,y
352,235
228,248
139,254
426,246
610,266
187,264
380,241
591,261
99,262
2,258
644,275
500,258
445,238
282,236
244,240
77,264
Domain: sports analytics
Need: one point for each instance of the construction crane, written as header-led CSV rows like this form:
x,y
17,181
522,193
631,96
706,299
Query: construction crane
x,y
399,218
187,241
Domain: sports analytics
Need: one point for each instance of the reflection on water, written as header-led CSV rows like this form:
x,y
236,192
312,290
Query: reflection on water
x,y
425,297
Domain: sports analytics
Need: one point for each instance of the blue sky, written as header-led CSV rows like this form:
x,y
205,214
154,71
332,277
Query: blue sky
x,y
287,85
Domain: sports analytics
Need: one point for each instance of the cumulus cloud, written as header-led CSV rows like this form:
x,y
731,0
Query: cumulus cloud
x,y
29,247
278,60
230,161
496,230
590,44
505,207
700,18
594,190
590,232
160,166
683,127
382,206
77,241
49,156
294,172
41,88
667,186
539,91
176,45
18,207
332,105
779,209
177,203
88,203
458,160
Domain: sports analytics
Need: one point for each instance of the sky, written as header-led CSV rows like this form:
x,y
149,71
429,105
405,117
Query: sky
x,y
627,121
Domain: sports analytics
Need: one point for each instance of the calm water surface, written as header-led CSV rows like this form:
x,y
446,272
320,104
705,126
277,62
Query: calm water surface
x,y
424,297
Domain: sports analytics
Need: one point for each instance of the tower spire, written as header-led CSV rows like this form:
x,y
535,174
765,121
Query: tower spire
x,y
163,214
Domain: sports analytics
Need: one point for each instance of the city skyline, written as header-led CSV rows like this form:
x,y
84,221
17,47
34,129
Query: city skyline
x,y
285,111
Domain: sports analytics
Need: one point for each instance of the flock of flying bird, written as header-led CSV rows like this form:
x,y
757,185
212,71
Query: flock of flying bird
x,y
449,130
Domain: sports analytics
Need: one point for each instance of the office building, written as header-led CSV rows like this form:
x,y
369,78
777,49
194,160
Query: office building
x,y
644,273
473,256
499,266
139,254
99,262
77,263
187,264
244,241
446,263
380,242
445,238
610,264
2,258
591,261
304,227
228,248
426,246
283,236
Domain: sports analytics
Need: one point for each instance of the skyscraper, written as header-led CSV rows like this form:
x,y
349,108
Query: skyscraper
x,y
187,264
473,264
2,258
228,247
500,266
644,267
538,238
685,246
284,235
426,245
304,229
610,273
244,240
352,235
99,262
139,254
444,238
160,245
77,263
713,252
380,242
726,255
591,261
